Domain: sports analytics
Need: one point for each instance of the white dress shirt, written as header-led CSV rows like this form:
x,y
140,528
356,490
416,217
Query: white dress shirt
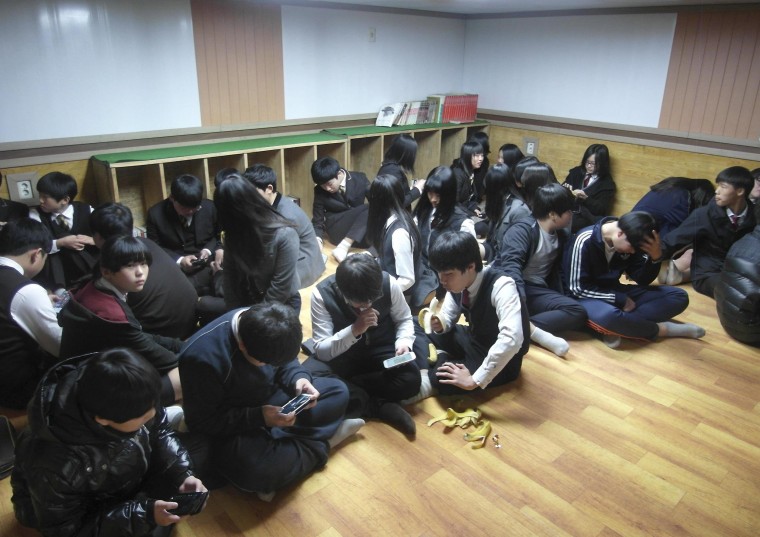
x,y
33,311
506,301
329,343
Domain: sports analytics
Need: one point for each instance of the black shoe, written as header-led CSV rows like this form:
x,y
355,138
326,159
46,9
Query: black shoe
x,y
394,415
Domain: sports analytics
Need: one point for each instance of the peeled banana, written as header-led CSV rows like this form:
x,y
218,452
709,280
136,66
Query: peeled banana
x,y
465,419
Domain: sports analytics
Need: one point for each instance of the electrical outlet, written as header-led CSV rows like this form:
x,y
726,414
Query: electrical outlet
x,y
22,187
372,35
531,146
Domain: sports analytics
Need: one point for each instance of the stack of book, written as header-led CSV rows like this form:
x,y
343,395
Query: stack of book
x,y
439,108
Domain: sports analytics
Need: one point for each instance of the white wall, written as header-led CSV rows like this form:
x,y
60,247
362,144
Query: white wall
x,y
331,67
609,68
90,67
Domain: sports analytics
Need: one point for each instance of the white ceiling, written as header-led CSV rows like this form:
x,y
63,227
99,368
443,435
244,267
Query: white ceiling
x,y
480,7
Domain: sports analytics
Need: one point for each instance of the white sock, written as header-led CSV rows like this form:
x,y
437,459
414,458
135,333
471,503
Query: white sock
x,y
426,389
683,330
347,428
341,251
175,415
549,341
265,496
613,342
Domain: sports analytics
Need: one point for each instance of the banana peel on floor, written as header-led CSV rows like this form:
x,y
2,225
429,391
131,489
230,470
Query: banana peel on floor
x,y
470,417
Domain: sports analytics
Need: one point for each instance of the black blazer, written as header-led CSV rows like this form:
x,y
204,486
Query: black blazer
x,y
164,227
326,204
601,195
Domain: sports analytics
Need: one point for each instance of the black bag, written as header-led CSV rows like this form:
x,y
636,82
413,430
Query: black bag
x,y
7,447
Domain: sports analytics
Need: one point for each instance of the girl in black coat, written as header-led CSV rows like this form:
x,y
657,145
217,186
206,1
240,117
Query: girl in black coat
x,y
592,184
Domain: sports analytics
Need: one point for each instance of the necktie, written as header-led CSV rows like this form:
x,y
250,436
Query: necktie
x,y
586,180
62,222
186,223
734,221
466,299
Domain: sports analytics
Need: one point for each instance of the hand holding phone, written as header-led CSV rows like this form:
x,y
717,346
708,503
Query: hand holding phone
x,y
188,503
201,262
399,360
296,404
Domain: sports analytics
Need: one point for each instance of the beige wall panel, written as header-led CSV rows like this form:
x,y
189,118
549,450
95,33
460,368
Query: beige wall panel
x,y
78,169
713,82
634,166
239,57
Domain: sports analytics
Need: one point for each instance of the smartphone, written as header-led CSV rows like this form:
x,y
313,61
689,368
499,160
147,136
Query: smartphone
x,y
188,503
296,404
201,262
399,360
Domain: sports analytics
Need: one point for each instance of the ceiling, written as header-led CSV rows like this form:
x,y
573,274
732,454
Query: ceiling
x,y
480,7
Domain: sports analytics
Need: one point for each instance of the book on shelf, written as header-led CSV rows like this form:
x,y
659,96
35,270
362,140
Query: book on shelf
x,y
388,114
455,107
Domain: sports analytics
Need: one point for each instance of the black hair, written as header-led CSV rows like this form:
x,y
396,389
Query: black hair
x,y
601,157
324,169
737,177
111,219
455,250
755,173
223,174
701,191
499,184
482,138
359,278
469,148
638,226
58,185
441,181
270,332
19,236
552,198
402,151
386,197
511,154
261,176
535,176
522,165
123,250
248,222
118,385
187,190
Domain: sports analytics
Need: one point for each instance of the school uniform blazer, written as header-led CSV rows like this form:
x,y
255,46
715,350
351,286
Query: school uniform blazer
x,y
310,264
327,204
709,230
601,195
164,227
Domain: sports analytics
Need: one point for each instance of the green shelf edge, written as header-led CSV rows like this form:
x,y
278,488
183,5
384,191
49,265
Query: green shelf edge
x,y
217,147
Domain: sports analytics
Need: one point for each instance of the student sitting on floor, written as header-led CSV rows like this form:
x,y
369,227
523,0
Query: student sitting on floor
x,y
532,255
310,264
237,374
167,303
712,229
359,319
73,254
339,209
98,457
97,316
490,350
593,262
29,333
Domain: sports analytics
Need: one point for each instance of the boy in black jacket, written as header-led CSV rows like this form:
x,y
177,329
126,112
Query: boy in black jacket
x,y
98,457
712,229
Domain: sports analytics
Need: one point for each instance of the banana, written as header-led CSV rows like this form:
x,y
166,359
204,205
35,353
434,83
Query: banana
x,y
457,419
480,435
432,354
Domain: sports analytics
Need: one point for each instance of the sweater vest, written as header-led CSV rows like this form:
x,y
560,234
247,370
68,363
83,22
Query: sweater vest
x,y
14,341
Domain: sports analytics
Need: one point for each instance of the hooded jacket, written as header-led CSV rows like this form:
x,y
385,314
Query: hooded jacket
x,y
75,477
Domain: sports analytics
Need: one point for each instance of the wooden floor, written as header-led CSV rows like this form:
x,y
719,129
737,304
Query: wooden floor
x,y
657,439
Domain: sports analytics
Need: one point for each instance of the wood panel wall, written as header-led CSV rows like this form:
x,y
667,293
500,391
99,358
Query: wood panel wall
x,y
713,80
238,50
635,167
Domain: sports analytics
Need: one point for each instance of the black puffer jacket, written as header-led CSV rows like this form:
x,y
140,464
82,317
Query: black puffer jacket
x,y
737,294
75,477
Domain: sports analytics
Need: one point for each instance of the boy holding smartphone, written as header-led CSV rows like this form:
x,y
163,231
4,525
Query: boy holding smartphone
x,y
359,319
99,456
